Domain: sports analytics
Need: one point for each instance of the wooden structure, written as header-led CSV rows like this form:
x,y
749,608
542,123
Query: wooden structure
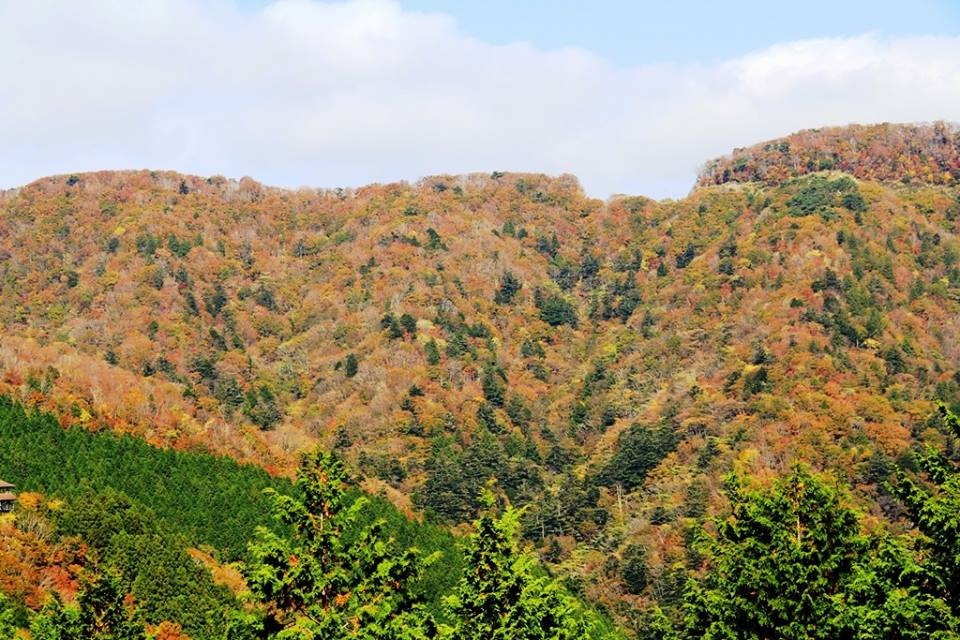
x,y
7,498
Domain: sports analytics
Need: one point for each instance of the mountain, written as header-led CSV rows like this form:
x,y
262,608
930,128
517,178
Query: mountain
x,y
607,362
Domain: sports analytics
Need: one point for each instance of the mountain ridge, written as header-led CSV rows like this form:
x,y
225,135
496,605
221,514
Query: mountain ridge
x,y
883,152
607,361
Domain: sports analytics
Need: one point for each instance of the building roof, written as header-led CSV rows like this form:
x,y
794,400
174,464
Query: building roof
x,y
7,496
5,485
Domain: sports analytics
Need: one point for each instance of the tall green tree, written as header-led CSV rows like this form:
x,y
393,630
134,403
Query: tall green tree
x,y
777,563
792,562
510,285
499,598
322,583
935,509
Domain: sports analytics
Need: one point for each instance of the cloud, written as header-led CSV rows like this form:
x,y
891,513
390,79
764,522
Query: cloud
x,y
335,94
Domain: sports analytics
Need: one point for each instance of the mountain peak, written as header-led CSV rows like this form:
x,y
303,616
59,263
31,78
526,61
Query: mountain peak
x,y
907,153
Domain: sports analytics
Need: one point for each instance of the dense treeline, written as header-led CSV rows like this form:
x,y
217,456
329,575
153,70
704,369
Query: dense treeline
x,y
207,499
887,152
131,502
790,560
607,362
338,565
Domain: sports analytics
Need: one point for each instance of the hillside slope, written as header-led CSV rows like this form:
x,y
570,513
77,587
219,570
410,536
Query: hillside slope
x,y
607,362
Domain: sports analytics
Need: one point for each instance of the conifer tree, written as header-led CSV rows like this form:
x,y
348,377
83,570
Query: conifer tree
x,y
776,563
323,583
433,353
499,598
791,562
510,285
936,513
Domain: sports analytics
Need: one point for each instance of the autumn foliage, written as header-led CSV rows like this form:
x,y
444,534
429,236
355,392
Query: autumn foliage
x,y
607,362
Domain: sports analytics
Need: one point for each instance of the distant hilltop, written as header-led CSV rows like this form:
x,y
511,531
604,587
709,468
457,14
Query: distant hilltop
x,y
907,153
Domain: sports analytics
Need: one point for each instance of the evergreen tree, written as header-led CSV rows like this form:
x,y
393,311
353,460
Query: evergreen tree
x,y
260,405
433,353
8,625
556,310
686,257
936,513
499,598
494,390
639,450
776,563
322,584
509,287
408,324
791,562
390,324
351,365
633,568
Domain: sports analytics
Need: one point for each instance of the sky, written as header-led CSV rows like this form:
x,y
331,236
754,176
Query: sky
x,y
631,97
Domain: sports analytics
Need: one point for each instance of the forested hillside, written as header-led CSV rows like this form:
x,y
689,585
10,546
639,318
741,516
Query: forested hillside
x,y
131,541
608,363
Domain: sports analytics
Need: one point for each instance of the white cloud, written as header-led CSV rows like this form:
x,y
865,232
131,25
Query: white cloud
x,y
311,93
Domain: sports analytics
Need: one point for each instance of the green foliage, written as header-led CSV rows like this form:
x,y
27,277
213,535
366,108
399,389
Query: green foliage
x,y
755,381
510,285
777,561
151,563
639,449
633,568
207,499
179,248
487,417
432,352
791,562
8,618
455,476
147,244
140,507
556,310
351,365
265,298
888,595
686,257
260,406
499,597
494,390
325,584
408,324
935,510
215,300
99,614
435,243
391,325
821,195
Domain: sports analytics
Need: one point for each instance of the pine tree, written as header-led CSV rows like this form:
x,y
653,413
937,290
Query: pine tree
x,y
408,324
8,626
322,584
791,562
510,285
499,598
494,389
777,561
936,513
433,353
351,365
